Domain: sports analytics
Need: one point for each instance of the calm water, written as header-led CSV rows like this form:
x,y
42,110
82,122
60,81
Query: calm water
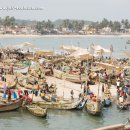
x,y
53,43
65,120
60,120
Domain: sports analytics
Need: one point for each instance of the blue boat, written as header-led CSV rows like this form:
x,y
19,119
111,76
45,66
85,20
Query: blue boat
x,y
106,102
81,105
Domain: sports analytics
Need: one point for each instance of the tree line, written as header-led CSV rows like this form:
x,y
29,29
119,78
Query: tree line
x,y
114,25
73,25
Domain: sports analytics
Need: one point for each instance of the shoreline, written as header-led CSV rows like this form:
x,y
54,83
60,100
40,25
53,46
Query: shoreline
x,y
62,36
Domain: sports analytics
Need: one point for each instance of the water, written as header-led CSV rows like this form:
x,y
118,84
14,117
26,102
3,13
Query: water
x,y
53,43
65,120
61,120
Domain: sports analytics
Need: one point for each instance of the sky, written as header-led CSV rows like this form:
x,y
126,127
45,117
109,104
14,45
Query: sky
x,y
92,10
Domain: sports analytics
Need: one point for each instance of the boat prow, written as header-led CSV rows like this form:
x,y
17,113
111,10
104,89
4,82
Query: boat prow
x,y
37,111
94,108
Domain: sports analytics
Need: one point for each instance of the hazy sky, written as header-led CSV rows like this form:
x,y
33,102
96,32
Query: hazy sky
x,y
93,10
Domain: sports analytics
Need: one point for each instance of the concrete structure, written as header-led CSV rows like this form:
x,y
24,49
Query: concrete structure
x,y
115,127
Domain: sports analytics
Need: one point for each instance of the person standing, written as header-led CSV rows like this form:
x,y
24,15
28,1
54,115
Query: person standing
x,y
9,95
14,94
11,70
72,93
118,84
5,89
103,88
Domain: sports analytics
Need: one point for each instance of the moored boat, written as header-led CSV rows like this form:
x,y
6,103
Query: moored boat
x,y
37,111
122,106
94,108
81,105
106,102
9,106
70,77
128,42
62,105
107,98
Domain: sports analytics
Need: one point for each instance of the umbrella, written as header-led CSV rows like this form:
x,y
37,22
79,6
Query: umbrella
x,y
70,49
100,49
81,53
28,45
24,45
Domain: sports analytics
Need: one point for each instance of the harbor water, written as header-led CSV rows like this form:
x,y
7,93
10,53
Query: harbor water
x,y
53,43
61,120
65,120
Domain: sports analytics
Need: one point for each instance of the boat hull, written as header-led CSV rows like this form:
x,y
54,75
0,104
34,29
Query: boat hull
x,y
122,107
37,111
94,108
11,105
69,77
107,103
59,105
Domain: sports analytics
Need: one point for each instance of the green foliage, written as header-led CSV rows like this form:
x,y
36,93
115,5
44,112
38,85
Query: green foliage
x,y
44,25
9,21
114,25
74,25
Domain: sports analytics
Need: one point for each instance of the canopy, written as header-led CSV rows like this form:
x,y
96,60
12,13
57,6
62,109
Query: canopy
x,y
99,49
26,45
108,66
81,53
69,48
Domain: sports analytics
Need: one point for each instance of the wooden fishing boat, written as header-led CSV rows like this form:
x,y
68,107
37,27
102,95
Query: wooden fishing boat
x,y
11,81
20,82
61,105
70,77
107,101
128,42
81,105
94,108
57,73
49,97
122,106
9,106
22,70
46,97
10,85
35,73
30,86
37,111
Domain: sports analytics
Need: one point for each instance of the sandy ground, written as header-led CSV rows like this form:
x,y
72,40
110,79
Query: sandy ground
x,y
64,87
24,36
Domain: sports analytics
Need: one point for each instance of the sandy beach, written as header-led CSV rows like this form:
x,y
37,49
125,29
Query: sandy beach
x,y
66,36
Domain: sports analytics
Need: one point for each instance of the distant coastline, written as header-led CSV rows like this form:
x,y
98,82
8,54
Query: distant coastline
x,y
17,36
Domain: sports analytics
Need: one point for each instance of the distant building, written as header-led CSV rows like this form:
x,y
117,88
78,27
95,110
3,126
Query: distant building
x,y
106,30
122,28
89,30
